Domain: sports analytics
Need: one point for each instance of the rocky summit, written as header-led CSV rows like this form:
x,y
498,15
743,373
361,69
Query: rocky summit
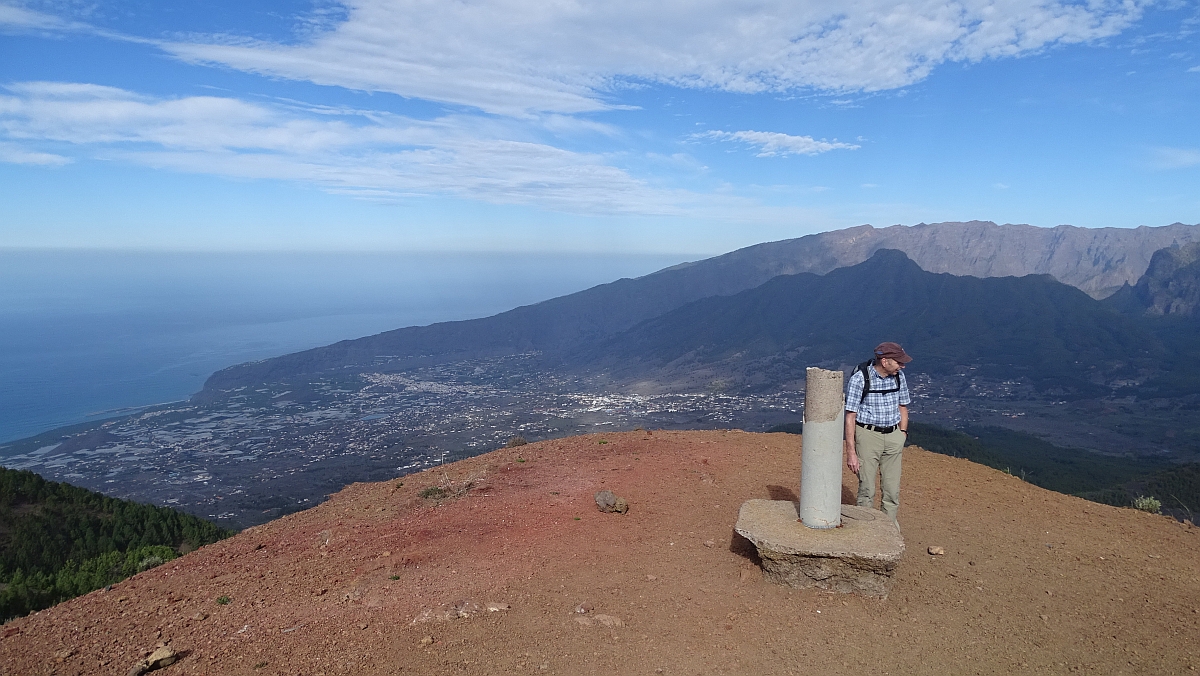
x,y
510,568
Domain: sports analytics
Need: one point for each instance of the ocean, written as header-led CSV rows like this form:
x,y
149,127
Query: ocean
x,y
92,334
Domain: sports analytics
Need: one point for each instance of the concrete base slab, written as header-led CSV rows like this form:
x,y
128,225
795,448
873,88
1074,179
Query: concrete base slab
x,y
859,557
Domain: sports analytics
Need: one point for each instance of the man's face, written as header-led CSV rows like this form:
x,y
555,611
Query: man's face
x,y
890,366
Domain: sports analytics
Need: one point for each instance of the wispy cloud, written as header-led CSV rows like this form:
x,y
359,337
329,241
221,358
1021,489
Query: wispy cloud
x,y
365,153
517,57
1194,69
770,143
1175,158
13,154
19,17
23,20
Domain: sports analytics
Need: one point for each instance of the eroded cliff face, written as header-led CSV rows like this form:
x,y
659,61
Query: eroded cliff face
x,y
1171,285
1096,260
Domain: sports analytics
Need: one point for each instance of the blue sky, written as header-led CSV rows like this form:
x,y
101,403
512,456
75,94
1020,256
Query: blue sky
x,y
618,126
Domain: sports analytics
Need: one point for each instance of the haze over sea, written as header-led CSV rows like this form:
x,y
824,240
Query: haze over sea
x,y
91,334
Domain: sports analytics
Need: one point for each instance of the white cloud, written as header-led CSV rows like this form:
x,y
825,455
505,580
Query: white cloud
x,y
14,154
1175,158
520,56
364,153
771,143
1194,69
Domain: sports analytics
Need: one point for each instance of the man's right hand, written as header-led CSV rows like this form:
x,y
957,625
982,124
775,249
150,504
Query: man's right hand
x,y
851,457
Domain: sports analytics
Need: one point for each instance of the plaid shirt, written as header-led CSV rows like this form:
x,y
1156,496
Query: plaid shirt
x,y
877,409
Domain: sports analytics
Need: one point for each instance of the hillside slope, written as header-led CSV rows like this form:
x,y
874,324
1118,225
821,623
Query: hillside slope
x,y
1032,581
1096,260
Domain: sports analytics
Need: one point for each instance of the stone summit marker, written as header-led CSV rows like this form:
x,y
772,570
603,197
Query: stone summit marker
x,y
820,542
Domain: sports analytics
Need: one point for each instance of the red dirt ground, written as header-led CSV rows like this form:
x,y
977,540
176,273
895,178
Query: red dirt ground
x,y
1032,581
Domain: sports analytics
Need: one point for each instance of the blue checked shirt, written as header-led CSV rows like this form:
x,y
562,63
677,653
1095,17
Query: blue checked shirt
x,y
878,408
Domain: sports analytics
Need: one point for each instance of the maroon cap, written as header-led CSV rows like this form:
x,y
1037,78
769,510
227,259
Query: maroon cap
x,y
892,351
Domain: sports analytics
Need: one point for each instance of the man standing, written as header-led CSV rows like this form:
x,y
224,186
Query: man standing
x,y
877,425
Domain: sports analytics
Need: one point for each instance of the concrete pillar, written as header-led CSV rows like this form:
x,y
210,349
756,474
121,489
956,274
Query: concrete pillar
x,y
821,457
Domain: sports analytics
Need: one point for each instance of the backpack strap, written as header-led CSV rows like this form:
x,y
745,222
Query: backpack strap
x,y
862,368
867,381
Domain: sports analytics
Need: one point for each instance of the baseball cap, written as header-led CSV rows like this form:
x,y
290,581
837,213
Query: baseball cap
x,y
892,351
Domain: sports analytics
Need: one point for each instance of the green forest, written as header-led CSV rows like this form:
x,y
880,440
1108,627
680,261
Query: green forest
x,y
58,541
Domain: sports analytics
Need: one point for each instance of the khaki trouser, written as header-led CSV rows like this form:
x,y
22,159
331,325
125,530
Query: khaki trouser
x,y
879,455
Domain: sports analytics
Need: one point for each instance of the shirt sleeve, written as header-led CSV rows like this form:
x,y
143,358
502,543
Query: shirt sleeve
x,y
855,385
905,399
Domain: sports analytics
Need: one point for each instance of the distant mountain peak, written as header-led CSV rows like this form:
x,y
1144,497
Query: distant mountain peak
x,y
893,257
1031,326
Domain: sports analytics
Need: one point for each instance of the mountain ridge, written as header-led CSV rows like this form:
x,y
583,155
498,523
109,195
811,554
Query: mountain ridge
x,y
981,249
1094,260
